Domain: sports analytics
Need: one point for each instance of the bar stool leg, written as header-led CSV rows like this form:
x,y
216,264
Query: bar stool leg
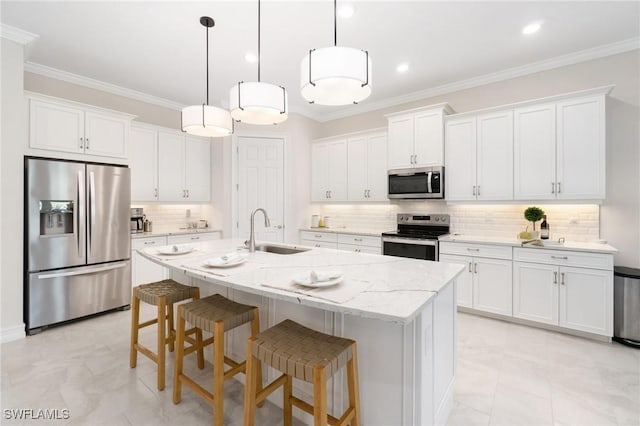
x,y
255,329
286,403
218,373
135,320
172,330
177,383
352,383
250,385
162,309
319,396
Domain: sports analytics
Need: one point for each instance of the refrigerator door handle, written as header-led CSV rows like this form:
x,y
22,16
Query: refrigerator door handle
x,y
80,211
83,271
92,207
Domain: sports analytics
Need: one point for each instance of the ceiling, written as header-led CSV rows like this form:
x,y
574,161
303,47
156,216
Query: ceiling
x,y
158,48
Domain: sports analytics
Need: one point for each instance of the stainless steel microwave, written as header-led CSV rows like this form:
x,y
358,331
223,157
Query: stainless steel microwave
x,y
424,182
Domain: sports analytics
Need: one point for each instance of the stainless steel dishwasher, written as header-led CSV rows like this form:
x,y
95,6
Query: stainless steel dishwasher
x,y
626,301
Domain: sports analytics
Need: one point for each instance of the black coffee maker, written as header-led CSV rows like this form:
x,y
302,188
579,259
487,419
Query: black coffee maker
x,y
137,220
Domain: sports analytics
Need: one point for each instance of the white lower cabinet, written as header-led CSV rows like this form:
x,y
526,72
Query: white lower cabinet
x,y
486,282
319,239
193,238
575,297
143,270
349,242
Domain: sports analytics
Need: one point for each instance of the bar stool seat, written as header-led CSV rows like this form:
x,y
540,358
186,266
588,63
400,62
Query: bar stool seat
x,y
162,294
305,354
215,314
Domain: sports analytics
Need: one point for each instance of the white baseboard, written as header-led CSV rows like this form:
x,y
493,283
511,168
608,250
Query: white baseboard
x,y
10,334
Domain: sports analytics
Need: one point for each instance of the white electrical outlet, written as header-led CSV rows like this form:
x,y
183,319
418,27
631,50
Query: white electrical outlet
x,y
573,221
188,212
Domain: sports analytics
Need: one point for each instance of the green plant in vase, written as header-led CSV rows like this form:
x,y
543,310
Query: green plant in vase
x,y
533,214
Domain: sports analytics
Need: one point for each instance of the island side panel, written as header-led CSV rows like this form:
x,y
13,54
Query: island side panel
x,y
444,352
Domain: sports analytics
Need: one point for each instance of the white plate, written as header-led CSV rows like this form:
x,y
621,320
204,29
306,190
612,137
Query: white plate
x,y
219,262
305,280
177,250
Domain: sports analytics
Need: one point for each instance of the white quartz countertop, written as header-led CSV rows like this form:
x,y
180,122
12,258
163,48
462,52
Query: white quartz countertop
x,y
395,289
173,232
595,247
355,231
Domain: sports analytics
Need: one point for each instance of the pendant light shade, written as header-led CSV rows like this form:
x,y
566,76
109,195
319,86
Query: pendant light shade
x,y
206,120
336,76
256,102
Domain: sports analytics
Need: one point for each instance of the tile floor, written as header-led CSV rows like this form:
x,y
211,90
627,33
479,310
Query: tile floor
x,y
507,375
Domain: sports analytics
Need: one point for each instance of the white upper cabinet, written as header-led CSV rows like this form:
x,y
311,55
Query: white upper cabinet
x,y
143,161
479,157
166,165
367,167
329,170
68,127
416,137
580,148
560,150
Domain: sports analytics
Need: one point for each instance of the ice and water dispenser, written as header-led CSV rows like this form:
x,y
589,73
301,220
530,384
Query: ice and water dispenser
x,y
56,217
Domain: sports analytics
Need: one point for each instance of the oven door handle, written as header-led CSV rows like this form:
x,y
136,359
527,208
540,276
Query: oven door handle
x,y
415,242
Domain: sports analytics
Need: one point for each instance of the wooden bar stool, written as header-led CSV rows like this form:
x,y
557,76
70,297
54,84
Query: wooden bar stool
x,y
162,294
307,355
215,314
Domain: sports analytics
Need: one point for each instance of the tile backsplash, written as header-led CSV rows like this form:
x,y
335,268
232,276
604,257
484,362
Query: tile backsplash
x,y
575,222
170,217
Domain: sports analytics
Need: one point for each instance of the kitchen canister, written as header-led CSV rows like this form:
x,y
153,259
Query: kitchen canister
x,y
327,222
315,221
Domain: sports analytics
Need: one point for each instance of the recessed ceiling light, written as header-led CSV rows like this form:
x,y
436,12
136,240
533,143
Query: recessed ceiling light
x,y
250,57
346,11
532,28
403,67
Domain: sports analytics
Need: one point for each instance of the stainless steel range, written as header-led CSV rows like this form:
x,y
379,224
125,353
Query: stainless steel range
x,y
416,236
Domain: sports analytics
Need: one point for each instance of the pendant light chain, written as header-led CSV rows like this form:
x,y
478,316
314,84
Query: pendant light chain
x,y
258,41
335,23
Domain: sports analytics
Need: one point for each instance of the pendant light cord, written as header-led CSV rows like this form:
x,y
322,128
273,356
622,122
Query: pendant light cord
x,y
258,41
207,65
335,23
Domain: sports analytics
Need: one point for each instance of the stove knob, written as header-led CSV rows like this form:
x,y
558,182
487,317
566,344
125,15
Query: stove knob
x,y
437,218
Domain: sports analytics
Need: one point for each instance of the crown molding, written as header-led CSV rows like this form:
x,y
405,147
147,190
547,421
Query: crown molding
x,y
548,64
100,85
16,34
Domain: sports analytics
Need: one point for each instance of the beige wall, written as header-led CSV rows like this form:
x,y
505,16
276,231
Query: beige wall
x,y
13,123
620,212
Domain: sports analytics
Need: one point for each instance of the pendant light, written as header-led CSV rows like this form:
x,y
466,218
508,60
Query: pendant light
x,y
206,120
336,75
258,102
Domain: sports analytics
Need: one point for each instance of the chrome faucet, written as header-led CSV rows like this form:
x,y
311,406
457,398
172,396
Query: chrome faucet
x,y
252,237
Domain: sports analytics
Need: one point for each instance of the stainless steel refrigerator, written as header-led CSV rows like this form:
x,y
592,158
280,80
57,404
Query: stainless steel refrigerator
x,y
77,240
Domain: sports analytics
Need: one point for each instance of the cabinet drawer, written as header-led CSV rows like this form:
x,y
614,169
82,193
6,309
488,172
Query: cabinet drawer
x,y
143,243
361,240
564,258
319,244
193,238
476,250
319,236
359,248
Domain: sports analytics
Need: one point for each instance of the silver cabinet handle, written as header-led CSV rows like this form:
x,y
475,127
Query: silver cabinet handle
x,y
365,193
415,160
81,143
474,190
86,145
473,249
195,238
317,245
187,193
560,257
553,188
149,243
470,267
318,236
279,227
562,278
559,188
555,278
475,268
478,190
155,192
368,193
357,239
329,193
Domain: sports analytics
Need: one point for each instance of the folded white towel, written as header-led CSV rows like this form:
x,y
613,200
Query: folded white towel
x,y
321,276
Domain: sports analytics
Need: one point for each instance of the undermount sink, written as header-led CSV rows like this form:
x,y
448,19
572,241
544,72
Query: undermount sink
x,y
279,249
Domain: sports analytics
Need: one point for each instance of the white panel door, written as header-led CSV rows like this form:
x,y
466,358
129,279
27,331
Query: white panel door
x,y
197,178
495,156
377,167
400,148
581,156
337,162
534,152
586,300
464,280
460,159
357,169
428,142
492,285
535,292
56,127
319,172
171,167
261,184
106,136
143,161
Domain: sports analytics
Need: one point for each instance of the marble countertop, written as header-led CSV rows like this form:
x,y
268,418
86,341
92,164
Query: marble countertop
x,y
393,289
595,247
165,233
345,230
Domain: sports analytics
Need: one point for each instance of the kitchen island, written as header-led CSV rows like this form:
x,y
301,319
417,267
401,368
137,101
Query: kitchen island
x,y
400,311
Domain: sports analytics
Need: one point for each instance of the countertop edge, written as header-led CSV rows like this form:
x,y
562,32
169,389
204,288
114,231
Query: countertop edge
x,y
366,232
571,246
152,234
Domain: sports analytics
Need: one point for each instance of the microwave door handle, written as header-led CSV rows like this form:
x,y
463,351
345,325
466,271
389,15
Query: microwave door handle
x,y
429,177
